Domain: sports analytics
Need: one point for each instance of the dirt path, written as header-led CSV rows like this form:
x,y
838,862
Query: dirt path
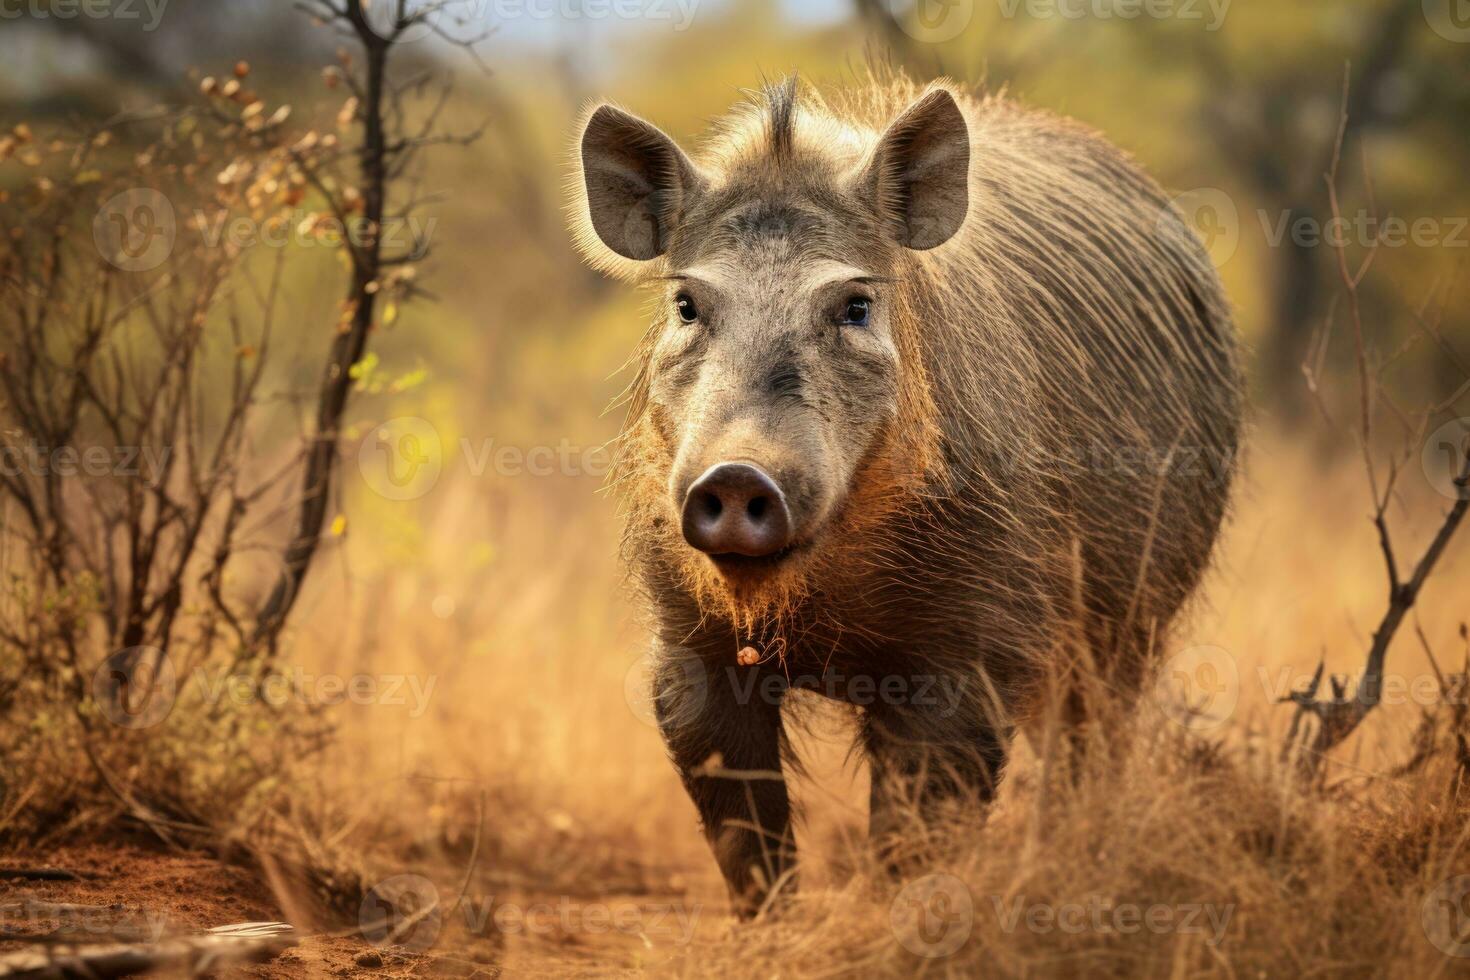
x,y
146,893
142,893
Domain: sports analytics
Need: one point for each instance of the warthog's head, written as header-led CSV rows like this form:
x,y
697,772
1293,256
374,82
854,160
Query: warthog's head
x,y
780,398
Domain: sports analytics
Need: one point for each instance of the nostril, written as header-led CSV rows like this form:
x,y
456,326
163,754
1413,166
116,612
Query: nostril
x,y
711,505
756,508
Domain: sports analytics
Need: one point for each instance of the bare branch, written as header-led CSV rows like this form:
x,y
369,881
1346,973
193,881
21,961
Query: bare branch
x,y
1338,716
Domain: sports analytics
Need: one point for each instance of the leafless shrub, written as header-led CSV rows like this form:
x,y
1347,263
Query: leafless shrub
x,y
145,477
1320,724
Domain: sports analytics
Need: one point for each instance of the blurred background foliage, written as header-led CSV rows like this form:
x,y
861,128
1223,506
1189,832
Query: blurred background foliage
x,y
1232,104
1242,97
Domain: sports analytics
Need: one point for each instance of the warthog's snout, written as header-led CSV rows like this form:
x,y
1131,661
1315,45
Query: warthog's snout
x,y
736,509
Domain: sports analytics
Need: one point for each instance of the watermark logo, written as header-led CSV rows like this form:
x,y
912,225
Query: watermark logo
x,y
135,230
401,458
1198,687
401,911
1443,458
932,917
638,689
932,21
1450,19
1208,214
135,687
1445,916
684,689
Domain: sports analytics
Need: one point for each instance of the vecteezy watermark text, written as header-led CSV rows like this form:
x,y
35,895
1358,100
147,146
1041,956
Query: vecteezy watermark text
x,y
148,11
1103,915
693,686
35,459
463,20
1364,229
406,910
309,229
81,923
1210,12
941,694
138,688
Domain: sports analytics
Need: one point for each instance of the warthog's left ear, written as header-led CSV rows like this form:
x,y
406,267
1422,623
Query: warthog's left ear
x,y
634,183
918,175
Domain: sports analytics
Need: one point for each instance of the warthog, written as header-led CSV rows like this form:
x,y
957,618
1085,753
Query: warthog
x,y
934,384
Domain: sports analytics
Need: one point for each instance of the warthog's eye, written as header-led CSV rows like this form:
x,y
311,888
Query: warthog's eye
x,y
855,314
686,309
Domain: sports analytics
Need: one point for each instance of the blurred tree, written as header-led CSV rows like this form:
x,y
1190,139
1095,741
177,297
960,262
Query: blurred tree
x,y
1261,100
1263,119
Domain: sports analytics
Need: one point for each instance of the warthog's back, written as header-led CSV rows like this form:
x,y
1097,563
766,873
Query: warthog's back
x,y
1082,360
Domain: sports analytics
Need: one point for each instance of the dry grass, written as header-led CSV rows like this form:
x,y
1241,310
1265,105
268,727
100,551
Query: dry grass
x,y
509,756
535,710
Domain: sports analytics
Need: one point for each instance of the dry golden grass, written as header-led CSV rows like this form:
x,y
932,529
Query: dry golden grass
x,y
1191,853
509,756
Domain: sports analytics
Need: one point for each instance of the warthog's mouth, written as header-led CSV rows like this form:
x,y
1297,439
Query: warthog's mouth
x,y
748,568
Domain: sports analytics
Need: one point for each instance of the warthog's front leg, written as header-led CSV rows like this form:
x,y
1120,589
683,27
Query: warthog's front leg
x,y
723,731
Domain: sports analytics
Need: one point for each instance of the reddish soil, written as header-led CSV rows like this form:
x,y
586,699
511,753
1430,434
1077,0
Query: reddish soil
x,y
187,892
151,891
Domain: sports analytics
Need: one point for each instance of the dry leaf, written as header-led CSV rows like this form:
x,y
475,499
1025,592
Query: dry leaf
x,y
347,113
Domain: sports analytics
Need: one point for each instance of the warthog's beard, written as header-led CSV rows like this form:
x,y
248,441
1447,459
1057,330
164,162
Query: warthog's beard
x,y
756,593
748,590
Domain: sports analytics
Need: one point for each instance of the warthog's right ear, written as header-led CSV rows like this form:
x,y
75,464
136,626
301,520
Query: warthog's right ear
x,y
918,175
634,184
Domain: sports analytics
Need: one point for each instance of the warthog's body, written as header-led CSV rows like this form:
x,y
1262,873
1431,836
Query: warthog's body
x,y
1027,421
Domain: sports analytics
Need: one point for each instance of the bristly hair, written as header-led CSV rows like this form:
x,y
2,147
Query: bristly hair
x,y
976,469
781,115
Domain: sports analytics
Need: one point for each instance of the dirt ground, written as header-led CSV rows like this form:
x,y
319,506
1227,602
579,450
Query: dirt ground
x,y
152,891
160,891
